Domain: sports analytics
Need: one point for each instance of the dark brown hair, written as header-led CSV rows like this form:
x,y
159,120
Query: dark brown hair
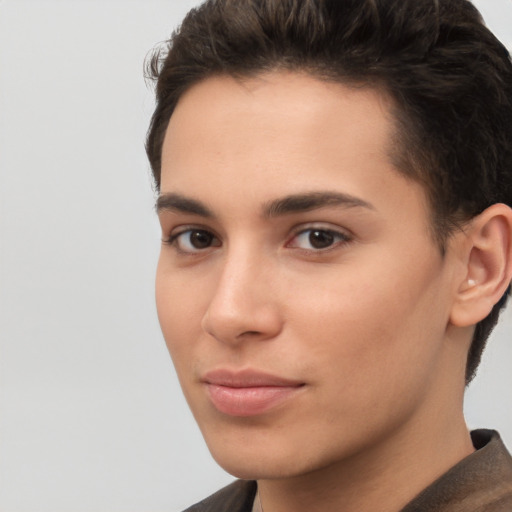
x,y
450,80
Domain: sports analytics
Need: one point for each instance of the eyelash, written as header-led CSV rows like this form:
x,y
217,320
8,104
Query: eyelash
x,y
337,238
174,239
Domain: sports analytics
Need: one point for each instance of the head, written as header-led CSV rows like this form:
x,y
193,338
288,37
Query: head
x,y
331,180
448,79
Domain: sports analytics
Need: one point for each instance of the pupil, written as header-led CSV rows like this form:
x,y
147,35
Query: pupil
x,y
200,239
321,239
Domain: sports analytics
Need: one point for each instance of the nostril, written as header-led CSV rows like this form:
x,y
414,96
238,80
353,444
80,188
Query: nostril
x,y
250,333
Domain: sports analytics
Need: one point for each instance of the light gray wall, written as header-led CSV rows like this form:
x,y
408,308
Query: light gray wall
x,y
91,417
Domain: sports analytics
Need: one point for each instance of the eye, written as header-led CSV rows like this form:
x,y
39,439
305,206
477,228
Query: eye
x,y
193,240
318,239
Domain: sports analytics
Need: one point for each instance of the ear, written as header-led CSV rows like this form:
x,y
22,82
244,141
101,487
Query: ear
x,y
487,257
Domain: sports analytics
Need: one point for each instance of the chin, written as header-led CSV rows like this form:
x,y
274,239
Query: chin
x,y
251,461
256,459
260,469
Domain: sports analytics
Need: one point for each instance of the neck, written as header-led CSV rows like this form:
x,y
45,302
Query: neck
x,y
384,478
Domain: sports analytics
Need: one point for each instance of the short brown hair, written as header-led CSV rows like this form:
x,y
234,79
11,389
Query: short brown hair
x,y
449,77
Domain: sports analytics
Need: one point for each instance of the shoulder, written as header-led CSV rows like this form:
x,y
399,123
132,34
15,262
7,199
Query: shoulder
x,y
236,497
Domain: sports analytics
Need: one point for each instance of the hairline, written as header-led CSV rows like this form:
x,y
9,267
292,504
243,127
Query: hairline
x,y
407,163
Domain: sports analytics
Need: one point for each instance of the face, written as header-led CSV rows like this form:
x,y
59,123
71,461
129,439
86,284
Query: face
x,y
300,293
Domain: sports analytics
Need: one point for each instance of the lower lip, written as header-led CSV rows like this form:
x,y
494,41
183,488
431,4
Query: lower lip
x,y
249,401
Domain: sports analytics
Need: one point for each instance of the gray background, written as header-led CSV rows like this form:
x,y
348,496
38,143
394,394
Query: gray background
x,y
91,416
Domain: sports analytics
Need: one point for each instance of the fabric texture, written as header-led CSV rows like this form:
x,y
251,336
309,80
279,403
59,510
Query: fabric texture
x,y
481,482
236,497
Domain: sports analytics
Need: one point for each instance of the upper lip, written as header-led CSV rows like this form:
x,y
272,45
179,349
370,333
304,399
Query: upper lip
x,y
247,378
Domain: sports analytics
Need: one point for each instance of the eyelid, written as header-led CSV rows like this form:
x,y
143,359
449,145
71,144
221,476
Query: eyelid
x,y
178,230
344,234
173,237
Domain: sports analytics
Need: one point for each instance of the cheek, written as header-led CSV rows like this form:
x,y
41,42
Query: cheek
x,y
180,310
180,313
369,330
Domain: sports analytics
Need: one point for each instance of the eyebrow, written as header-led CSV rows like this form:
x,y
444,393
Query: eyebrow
x,y
312,201
179,203
294,203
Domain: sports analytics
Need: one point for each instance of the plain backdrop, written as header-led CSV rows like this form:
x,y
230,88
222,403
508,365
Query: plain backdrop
x,y
91,415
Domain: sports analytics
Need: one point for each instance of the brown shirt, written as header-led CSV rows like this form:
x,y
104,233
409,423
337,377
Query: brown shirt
x,y
482,482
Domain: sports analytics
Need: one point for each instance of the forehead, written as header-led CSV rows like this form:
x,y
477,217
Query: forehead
x,y
279,109
281,103
279,133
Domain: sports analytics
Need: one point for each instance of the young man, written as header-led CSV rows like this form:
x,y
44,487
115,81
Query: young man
x,y
333,183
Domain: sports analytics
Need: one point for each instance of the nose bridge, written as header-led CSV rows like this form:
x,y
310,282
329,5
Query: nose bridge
x,y
243,302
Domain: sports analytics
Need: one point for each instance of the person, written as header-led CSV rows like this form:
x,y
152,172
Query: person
x,y
334,185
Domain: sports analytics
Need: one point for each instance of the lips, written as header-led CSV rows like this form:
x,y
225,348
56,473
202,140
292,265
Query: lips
x,y
248,392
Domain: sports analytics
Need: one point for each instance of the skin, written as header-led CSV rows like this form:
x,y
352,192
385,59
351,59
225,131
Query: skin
x,y
365,324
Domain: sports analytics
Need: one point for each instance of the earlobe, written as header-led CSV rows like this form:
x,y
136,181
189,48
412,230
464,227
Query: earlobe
x,y
488,262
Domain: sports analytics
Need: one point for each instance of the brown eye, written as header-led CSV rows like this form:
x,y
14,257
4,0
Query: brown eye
x,y
194,240
200,239
315,239
320,239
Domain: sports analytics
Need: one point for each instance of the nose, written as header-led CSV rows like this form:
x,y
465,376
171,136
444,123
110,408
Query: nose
x,y
244,303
